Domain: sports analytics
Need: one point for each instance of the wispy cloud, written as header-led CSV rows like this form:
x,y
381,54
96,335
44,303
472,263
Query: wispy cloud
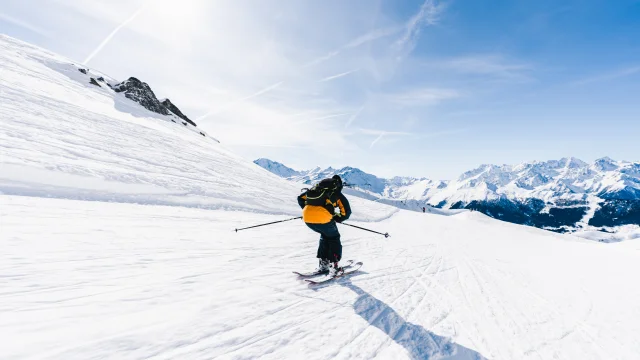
x,y
384,132
621,73
337,76
324,117
273,126
428,15
360,40
422,96
443,133
23,24
241,100
372,35
495,66
115,31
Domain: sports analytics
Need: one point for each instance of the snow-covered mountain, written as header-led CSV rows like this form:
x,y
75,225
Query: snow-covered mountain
x,y
396,188
277,168
560,195
567,179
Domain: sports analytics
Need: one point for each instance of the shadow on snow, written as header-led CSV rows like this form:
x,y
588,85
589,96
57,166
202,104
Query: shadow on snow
x,y
419,342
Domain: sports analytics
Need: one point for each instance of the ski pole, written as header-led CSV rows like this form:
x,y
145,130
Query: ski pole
x,y
361,228
274,222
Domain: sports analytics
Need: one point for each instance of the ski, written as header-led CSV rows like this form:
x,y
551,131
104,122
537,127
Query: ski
x,y
347,264
353,268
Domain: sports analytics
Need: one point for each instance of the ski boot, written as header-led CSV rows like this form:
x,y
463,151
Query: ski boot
x,y
335,269
323,266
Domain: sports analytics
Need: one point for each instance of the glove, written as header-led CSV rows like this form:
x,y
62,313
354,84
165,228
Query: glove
x,y
337,218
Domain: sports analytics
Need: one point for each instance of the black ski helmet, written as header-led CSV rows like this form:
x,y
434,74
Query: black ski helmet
x,y
338,181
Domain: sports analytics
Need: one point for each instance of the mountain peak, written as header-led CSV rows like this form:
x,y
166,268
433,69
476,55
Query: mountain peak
x,y
605,159
276,168
573,162
606,164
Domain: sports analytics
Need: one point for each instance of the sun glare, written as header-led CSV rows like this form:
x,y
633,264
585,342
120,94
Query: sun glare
x,y
176,18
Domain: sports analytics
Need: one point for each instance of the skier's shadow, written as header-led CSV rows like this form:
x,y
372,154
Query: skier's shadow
x,y
418,341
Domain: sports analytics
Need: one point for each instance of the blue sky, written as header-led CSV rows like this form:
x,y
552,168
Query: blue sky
x,y
413,88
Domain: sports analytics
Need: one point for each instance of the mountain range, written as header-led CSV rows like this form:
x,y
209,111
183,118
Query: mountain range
x,y
563,195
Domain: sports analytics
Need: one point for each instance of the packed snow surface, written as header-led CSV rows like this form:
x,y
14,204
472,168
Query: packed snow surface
x,y
83,280
116,229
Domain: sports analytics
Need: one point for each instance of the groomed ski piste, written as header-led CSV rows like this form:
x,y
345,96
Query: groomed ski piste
x,y
116,230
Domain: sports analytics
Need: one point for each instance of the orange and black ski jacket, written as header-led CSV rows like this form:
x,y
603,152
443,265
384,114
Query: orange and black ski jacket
x,y
314,214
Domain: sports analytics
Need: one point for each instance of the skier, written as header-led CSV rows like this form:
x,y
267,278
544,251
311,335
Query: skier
x,y
424,209
318,212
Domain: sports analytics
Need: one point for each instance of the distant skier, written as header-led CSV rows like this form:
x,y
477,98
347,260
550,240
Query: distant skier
x,y
319,204
424,209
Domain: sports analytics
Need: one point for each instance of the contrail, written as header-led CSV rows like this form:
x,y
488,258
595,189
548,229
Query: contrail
x,y
380,134
376,140
354,116
322,59
370,36
267,89
114,32
333,77
320,118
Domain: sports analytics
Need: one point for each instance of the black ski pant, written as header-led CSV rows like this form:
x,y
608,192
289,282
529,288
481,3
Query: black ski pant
x,y
330,247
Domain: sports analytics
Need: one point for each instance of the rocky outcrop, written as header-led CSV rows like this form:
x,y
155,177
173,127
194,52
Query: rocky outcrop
x,y
141,93
174,109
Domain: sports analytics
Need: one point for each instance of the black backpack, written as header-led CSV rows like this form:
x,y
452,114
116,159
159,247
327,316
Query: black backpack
x,y
321,192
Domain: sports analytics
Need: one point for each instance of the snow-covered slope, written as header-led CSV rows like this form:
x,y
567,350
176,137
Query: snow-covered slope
x,y
123,281
151,268
63,137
